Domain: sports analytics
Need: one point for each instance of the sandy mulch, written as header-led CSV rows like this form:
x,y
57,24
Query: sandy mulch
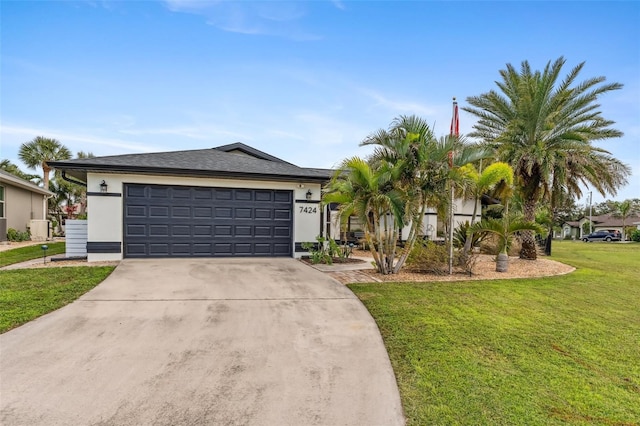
x,y
484,269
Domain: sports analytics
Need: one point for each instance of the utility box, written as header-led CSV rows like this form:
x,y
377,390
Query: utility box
x,y
76,238
40,230
3,229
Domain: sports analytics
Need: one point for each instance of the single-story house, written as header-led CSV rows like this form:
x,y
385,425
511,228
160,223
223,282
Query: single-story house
x,y
23,206
232,200
605,222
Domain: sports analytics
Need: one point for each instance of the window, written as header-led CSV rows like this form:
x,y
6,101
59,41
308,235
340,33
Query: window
x,y
1,201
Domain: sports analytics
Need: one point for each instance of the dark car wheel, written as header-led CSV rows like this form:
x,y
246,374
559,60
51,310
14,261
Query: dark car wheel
x,y
608,239
586,240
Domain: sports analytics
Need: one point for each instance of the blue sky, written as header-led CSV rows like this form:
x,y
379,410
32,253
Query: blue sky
x,y
304,81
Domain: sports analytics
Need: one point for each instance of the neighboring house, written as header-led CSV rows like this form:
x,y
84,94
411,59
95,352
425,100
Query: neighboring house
x,y
605,222
23,205
232,200
571,229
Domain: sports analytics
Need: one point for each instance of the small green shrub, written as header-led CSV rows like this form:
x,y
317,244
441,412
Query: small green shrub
x,y
318,252
635,236
568,237
460,236
341,251
15,235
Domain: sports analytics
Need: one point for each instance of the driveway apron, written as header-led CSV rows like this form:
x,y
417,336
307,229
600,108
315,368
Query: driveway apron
x,y
202,342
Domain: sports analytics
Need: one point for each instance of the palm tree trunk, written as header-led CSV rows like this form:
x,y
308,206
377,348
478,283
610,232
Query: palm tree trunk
x,y
416,224
529,251
469,239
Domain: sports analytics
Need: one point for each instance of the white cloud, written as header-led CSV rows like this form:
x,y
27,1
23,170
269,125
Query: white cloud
x,y
13,136
399,106
278,19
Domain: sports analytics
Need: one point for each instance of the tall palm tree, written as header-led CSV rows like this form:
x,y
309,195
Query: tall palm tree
x,y
37,152
543,126
370,193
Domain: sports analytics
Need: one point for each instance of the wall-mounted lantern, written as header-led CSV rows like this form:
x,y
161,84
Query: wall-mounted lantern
x,y
309,195
103,186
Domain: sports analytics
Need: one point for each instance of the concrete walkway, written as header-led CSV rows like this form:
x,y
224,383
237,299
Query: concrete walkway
x,y
202,342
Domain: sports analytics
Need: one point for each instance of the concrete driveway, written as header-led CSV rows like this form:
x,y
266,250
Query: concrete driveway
x,y
202,342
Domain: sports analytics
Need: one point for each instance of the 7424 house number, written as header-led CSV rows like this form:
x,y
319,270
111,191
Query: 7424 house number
x,y
309,210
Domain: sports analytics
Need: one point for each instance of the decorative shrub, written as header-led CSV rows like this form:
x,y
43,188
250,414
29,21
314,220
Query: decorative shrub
x,y
635,236
15,235
428,257
460,236
491,245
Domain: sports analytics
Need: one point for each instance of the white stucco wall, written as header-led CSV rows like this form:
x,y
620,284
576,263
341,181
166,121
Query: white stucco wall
x,y
105,213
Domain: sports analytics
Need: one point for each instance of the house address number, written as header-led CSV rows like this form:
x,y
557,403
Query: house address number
x,y
308,210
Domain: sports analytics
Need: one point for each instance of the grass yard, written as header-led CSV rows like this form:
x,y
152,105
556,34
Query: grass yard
x,y
26,294
558,350
23,254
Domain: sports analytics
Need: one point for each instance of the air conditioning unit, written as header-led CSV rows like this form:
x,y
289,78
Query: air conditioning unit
x,y
40,230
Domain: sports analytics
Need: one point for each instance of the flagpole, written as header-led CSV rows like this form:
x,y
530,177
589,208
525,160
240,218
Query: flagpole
x,y
453,132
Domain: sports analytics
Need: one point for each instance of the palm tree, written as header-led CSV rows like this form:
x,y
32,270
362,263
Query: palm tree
x,y
370,193
9,167
505,229
545,127
421,161
482,182
623,210
39,151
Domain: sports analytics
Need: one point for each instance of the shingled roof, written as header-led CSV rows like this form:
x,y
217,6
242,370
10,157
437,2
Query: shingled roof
x,y
235,160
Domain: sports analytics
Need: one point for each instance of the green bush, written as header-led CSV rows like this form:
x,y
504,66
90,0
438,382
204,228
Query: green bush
x,y
460,236
15,235
635,236
318,252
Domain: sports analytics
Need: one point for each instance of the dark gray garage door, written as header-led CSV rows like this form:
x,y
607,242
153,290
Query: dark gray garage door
x,y
185,221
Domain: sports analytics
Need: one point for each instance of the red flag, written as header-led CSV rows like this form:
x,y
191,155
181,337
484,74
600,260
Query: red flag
x,y
455,120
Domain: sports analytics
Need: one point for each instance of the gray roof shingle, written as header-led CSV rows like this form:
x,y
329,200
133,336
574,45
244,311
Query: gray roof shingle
x,y
200,162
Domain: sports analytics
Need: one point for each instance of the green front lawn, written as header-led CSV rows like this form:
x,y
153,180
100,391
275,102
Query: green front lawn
x,y
26,294
558,350
23,254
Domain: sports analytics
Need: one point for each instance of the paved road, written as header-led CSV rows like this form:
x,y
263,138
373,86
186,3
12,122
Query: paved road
x,y
202,342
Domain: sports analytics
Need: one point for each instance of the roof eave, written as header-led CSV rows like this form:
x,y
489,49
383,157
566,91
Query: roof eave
x,y
80,172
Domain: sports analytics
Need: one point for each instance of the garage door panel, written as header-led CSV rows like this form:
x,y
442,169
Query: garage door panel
x,y
158,230
136,230
136,211
202,230
161,249
164,221
242,231
137,191
282,214
223,213
202,212
243,213
243,194
158,191
181,212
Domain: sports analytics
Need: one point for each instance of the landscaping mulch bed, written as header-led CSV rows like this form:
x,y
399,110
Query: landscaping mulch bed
x,y
484,269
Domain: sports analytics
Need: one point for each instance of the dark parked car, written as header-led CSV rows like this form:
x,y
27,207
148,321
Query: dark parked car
x,y
602,236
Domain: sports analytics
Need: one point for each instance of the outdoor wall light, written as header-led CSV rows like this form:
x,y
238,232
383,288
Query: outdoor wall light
x,y
103,186
309,195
